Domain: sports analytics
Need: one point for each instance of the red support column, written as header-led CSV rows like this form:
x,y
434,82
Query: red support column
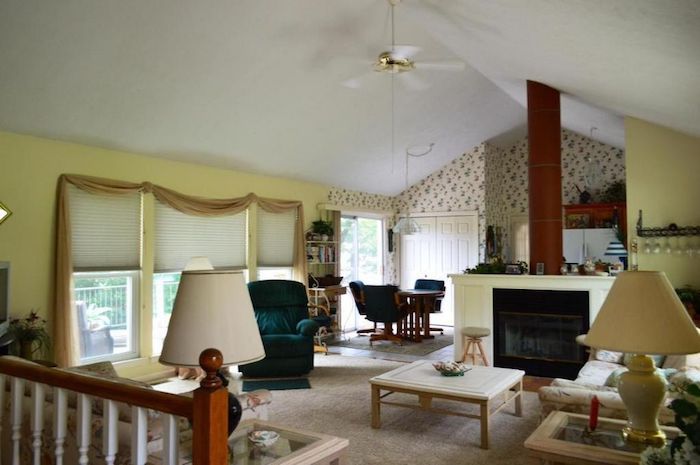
x,y
544,133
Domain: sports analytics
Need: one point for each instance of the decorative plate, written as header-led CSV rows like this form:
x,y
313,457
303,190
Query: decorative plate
x,y
263,438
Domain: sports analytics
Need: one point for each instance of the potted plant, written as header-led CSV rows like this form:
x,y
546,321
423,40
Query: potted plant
x,y
323,229
30,335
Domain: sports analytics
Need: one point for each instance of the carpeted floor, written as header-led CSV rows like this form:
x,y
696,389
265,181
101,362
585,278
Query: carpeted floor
x,y
424,347
339,404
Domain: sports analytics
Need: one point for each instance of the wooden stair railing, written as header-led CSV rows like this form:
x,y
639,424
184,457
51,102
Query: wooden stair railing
x,y
206,410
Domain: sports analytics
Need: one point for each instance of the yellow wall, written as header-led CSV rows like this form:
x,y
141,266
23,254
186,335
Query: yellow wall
x,y
29,170
663,180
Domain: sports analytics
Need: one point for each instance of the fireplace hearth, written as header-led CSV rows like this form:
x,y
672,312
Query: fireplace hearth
x,y
535,330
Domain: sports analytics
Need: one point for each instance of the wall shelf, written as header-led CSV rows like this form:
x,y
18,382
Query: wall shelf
x,y
670,231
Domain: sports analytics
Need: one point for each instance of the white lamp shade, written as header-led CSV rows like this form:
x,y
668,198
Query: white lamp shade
x,y
616,249
643,315
212,310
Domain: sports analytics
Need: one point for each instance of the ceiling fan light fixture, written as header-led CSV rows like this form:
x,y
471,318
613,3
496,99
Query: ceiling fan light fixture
x,y
388,62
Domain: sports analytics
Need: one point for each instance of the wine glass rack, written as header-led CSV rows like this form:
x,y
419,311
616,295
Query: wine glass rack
x,y
669,231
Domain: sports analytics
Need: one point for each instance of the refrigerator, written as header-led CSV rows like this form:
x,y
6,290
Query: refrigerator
x,y
580,244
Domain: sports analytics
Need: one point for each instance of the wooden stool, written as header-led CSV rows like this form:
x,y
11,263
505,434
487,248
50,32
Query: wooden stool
x,y
471,339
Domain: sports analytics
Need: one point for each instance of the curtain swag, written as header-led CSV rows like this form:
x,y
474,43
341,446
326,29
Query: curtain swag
x,y
66,342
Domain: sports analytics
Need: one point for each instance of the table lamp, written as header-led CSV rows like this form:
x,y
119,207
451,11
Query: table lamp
x,y
213,312
643,315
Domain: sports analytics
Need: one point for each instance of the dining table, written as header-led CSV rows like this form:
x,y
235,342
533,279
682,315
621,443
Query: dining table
x,y
421,302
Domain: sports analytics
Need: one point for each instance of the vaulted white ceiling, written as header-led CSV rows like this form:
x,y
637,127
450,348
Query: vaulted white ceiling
x,y
255,85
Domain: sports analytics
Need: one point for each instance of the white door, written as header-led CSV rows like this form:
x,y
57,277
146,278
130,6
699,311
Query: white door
x,y
445,245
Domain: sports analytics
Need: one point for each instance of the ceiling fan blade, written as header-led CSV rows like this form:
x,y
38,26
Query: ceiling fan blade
x,y
405,51
412,82
358,81
442,65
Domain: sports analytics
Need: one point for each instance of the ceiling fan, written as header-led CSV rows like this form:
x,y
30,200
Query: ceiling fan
x,y
399,61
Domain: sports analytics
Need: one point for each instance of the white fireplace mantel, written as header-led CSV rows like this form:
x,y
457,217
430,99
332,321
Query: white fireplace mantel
x,y
473,297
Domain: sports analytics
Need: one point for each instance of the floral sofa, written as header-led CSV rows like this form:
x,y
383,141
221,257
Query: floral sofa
x,y
599,377
254,405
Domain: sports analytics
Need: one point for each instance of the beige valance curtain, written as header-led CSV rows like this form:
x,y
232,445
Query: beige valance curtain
x,y
66,343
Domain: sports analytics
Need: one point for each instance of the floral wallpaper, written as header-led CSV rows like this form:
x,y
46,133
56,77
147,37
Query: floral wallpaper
x,y
494,181
584,162
361,200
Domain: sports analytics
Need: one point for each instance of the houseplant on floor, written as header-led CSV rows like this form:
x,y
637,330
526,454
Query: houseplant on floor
x,y
30,335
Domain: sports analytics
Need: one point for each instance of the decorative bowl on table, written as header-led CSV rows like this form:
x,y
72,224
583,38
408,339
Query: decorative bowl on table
x,y
451,368
263,438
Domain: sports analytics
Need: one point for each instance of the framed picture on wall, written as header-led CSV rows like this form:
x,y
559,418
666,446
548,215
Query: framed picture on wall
x,y
578,221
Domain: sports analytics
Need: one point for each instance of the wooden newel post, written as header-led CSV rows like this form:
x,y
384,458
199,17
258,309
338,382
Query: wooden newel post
x,y
210,417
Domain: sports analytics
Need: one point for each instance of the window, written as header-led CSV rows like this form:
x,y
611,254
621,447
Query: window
x,y
178,238
520,238
106,254
275,251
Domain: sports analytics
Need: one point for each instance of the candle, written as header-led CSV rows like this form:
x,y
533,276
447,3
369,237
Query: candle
x,y
593,418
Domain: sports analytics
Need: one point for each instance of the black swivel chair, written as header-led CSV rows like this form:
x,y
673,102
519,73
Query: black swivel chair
x,y
382,305
357,288
432,285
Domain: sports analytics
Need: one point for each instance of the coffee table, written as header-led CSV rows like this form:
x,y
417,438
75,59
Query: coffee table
x,y
294,447
562,438
489,387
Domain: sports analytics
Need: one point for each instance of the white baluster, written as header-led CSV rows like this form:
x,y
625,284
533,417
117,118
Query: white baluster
x,y
139,424
110,418
2,406
170,440
84,428
37,421
17,397
60,420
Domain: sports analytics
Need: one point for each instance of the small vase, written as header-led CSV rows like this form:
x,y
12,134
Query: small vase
x,y
26,349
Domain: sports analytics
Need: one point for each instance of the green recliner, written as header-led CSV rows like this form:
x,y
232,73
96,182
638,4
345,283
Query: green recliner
x,y
281,309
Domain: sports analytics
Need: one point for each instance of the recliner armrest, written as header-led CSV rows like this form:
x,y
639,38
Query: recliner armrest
x,y
307,327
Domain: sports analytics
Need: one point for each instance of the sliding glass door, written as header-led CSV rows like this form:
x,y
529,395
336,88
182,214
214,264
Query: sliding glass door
x,y
361,258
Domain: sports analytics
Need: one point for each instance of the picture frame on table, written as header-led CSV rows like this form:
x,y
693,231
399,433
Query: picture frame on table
x,y
539,269
513,268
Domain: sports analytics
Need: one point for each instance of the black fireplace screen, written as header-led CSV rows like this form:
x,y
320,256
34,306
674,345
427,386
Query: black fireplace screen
x,y
535,330
543,336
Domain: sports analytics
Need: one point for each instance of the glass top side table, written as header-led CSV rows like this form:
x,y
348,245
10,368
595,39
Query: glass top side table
x,y
562,437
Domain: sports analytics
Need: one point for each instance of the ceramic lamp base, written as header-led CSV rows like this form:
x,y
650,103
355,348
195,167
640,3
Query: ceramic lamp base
x,y
642,391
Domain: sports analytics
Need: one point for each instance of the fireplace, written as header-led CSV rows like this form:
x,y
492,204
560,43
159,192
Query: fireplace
x,y
535,330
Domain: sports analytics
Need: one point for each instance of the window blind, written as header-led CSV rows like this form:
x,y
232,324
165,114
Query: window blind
x,y
179,237
276,238
105,230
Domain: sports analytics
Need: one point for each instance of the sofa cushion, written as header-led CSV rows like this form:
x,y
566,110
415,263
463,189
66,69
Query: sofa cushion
x,y
596,372
608,356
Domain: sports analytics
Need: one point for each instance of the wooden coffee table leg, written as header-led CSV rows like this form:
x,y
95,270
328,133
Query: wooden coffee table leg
x,y
485,425
519,400
376,421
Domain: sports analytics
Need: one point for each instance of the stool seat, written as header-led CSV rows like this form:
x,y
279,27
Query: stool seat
x,y
471,340
475,331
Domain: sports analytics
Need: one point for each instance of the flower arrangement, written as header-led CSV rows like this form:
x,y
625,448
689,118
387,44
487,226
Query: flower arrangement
x,y
684,449
30,334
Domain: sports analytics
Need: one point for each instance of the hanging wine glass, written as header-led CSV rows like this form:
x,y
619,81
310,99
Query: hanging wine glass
x,y
656,248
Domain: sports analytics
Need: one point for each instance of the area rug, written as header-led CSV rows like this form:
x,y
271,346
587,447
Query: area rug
x,y
409,348
339,405
276,384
